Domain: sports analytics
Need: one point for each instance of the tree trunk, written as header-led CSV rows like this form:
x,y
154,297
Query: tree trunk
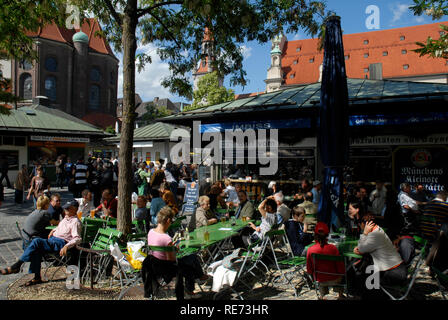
x,y
129,42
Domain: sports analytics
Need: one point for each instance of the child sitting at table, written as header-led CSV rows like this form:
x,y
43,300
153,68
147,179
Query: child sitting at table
x,y
142,215
296,230
322,246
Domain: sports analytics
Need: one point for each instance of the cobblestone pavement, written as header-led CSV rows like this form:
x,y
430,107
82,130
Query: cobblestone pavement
x,y
10,242
263,288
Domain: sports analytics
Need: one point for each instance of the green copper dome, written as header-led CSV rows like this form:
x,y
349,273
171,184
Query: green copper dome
x,y
276,50
80,37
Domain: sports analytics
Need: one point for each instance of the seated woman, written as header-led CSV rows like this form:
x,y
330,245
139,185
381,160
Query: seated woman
x,y
157,204
170,200
268,211
36,222
322,246
187,268
296,230
203,215
355,214
386,258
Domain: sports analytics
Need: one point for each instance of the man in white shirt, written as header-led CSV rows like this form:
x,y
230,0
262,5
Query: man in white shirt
x,y
378,199
409,208
85,203
283,212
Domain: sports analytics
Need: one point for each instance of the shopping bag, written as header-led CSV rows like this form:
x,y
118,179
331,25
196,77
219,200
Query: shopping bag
x,y
120,257
135,250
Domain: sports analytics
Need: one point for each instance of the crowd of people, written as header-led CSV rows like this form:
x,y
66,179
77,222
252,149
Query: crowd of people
x,y
383,221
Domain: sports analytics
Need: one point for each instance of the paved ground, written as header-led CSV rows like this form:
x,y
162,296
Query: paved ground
x,y
11,286
10,242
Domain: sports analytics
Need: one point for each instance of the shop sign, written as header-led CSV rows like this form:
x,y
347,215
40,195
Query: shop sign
x,y
191,198
426,166
397,119
399,140
256,125
59,139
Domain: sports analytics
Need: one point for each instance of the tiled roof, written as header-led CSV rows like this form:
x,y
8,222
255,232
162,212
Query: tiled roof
x,y
153,131
35,119
301,59
102,120
359,91
90,27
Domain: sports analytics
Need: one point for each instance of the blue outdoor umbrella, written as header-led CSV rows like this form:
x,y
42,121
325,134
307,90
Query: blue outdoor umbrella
x,y
333,125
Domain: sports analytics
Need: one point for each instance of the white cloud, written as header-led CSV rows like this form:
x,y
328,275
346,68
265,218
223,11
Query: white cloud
x,y
398,9
148,81
420,19
246,51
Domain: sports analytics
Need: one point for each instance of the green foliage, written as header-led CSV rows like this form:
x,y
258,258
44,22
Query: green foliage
x,y
437,9
110,129
177,29
209,92
153,112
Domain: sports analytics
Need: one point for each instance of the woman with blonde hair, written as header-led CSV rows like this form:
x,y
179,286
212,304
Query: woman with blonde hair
x,y
37,221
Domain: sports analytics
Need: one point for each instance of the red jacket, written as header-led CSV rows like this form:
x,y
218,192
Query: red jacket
x,y
324,266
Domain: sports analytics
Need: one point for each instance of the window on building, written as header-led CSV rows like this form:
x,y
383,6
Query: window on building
x,y
299,49
20,141
404,51
50,88
295,61
51,64
26,86
25,65
366,41
405,66
8,140
94,97
347,57
366,55
366,70
292,76
385,53
402,38
312,60
95,74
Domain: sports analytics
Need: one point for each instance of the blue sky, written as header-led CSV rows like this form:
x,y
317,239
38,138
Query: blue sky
x,y
393,14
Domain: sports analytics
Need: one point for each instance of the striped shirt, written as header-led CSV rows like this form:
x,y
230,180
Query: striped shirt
x,y
80,173
437,210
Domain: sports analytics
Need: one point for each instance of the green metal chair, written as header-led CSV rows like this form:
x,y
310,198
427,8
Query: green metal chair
x,y
327,258
99,257
299,264
401,292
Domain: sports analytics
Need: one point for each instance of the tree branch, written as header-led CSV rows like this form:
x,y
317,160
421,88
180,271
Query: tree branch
x,y
166,28
142,12
113,12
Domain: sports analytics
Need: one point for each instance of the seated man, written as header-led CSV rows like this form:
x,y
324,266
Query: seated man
x,y
310,210
245,207
142,214
85,203
283,212
323,247
157,204
66,235
55,209
109,205
296,230
36,222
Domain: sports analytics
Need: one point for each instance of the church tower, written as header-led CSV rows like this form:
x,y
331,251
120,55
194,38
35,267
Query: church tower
x,y
274,78
204,66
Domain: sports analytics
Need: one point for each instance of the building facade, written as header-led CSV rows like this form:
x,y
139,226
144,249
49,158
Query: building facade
x,y
385,54
75,69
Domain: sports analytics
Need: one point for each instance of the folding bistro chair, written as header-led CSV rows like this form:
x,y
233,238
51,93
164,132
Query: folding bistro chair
x,y
401,292
328,258
99,256
50,259
299,264
442,281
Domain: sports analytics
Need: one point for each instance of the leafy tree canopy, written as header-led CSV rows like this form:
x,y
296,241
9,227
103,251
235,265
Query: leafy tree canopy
x,y
437,9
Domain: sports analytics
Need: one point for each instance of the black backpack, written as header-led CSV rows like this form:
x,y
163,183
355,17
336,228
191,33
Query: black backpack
x,y
137,178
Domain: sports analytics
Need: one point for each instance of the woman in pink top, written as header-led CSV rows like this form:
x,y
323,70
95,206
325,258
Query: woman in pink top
x,y
189,266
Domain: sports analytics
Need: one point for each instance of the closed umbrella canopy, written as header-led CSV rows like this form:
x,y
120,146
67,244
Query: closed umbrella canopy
x,y
333,125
